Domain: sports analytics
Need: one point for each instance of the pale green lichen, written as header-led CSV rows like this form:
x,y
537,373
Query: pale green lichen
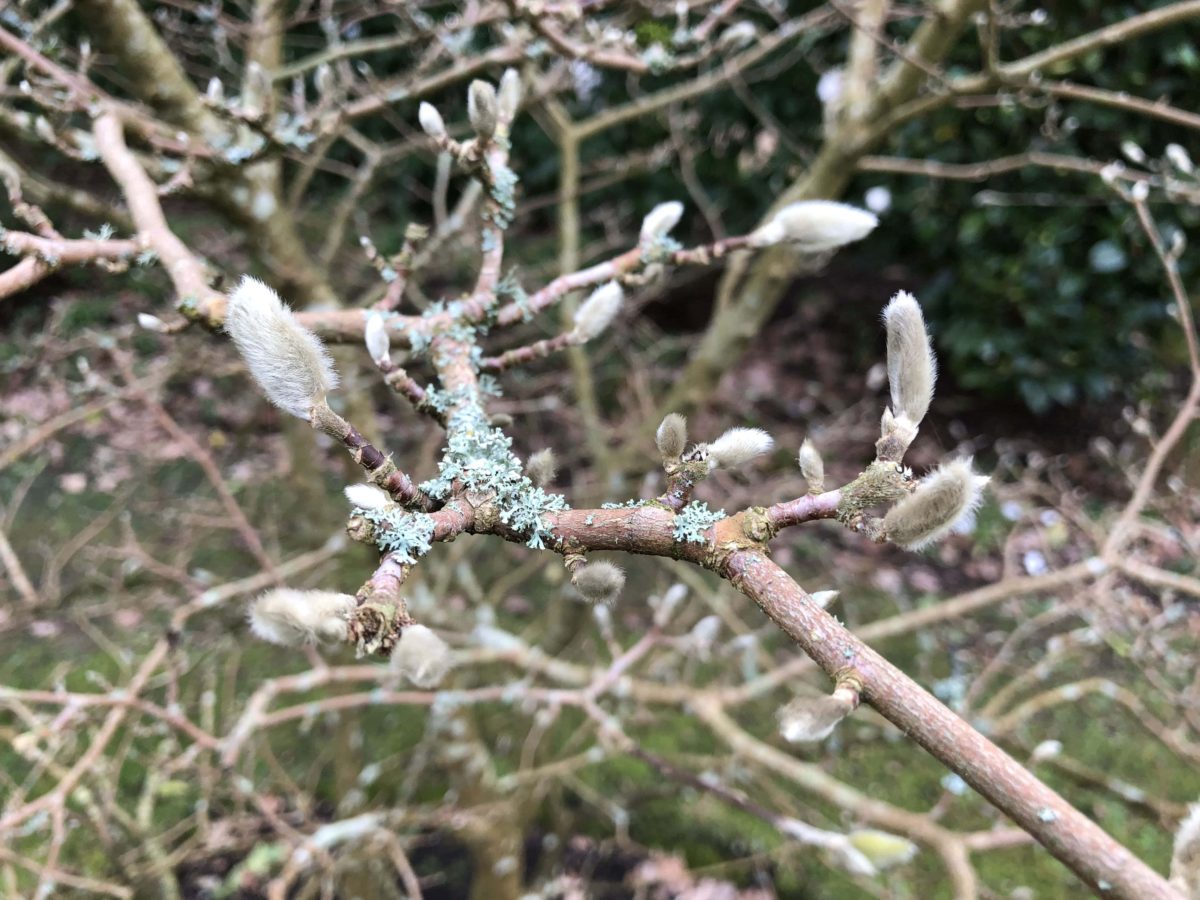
x,y
694,520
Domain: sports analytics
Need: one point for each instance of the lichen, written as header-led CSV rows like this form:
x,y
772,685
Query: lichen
x,y
408,536
694,520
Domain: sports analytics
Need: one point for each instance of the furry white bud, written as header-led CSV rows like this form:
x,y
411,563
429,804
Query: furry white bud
x,y
256,89
431,121
1185,860
288,361
738,446
151,323
911,365
881,848
215,93
671,436
703,634
508,99
809,719
1178,157
737,36
598,311
542,467
815,226
290,617
421,656
375,335
824,598
942,499
812,467
324,80
366,496
665,606
481,109
660,220
1133,152
599,582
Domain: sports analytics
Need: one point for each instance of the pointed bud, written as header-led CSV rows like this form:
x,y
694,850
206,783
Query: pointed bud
x,y
1185,860
542,467
812,467
431,121
738,446
881,848
824,598
671,436
324,80
912,368
940,501
375,335
481,109
1133,152
599,582
1178,157
598,311
421,656
703,634
151,323
660,220
736,37
815,226
665,606
809,719
215,92
508,100
288,361
366,496
256,89
290,617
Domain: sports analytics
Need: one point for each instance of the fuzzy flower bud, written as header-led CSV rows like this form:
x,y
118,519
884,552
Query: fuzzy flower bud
x,y
660,220
256,89
671,436
508,99
1178,157
151,323
324,80
1133,152
482,108
215,92
598,311
431,121
815,226
375,335
542,467
1185,860
738,446
290,617
912,368
812,467
703,634
737,36
288,361
599,582
421,656
824,598
810,719
366,496
665,606
882,849
941,500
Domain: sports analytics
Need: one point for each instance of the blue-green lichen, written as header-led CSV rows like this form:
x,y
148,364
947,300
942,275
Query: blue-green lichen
x,y
407,536
693,520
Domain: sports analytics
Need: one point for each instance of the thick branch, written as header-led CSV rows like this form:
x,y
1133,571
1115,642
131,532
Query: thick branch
x,y
1072,837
